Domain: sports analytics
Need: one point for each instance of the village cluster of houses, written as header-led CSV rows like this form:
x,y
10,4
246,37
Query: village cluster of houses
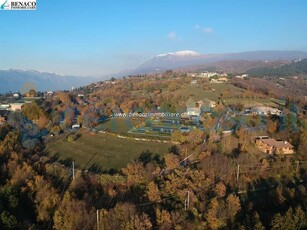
x,y
207,74
213,76
262,110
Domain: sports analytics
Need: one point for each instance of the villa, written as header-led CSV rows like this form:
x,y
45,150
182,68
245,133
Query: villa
x,y
272,146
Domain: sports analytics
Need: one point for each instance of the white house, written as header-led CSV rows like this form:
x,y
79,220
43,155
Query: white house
x,y
49,93
76,126
16,95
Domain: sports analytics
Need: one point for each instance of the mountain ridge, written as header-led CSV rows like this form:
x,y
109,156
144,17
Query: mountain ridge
x,y
13,80
169,61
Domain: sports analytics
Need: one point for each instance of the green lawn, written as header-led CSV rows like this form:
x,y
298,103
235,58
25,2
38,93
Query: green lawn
x,y
254,102
197,92
119,125
111,151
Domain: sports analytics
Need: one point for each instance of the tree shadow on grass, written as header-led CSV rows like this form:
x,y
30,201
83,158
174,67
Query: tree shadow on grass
x,y
95,168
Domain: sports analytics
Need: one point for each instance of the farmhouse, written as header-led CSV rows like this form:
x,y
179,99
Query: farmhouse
x,y
219,80
16,106
272,146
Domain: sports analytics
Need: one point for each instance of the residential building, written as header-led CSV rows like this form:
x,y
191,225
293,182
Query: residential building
x,y
16,95
272,146
16,106
219,80
49,93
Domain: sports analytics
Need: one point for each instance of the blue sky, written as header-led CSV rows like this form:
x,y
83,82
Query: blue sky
x,y
95,38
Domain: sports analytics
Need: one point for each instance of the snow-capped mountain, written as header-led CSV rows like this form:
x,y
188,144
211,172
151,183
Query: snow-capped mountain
x,y
185,58
183,53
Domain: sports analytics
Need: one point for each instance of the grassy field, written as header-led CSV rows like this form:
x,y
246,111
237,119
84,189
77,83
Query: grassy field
x,y
253,102
119,125
106,150
197,92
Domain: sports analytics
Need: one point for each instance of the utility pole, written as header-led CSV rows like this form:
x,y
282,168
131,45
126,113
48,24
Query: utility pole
x,y
297,166
188,202
238,173
186,155
97,216
73,170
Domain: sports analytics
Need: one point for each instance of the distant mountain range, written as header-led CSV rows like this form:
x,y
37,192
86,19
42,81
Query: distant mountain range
x,y
13,80
187,58
18,80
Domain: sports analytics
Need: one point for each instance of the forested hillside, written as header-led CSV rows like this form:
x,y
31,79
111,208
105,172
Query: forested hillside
x,y
205,180
295,68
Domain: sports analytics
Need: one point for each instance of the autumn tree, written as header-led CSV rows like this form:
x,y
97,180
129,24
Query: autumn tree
x,y
290,220
178,136
211,215
32,93
69,116
153,192
11,141
90,117
64,97
74,214
171,161
164,219
125,216
303,145
45,196
233,206
220,189
135,173
195,137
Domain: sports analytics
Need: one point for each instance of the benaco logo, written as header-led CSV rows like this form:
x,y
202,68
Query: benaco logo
x,y
17,5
